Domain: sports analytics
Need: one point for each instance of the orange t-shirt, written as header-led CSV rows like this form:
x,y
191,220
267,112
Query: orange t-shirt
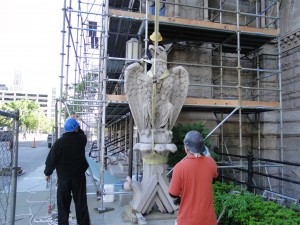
x,y
192,179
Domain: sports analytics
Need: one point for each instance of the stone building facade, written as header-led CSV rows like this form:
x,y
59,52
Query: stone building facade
x,y
290,64
267,144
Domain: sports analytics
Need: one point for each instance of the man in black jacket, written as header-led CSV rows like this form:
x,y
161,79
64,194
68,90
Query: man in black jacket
x,y
67,156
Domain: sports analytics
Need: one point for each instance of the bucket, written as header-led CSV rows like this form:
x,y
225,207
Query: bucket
x,y
139,178
108,188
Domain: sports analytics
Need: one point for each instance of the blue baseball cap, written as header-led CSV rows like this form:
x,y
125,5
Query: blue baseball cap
x,y
194,142
71,125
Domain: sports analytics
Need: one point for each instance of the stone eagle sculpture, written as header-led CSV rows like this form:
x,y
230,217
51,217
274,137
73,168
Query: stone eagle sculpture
x,y
160,93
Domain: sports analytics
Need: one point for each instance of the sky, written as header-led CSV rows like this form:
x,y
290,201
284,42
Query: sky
x,y
31,42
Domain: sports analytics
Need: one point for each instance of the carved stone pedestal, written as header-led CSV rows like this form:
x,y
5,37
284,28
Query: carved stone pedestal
x,y
152,190
154,186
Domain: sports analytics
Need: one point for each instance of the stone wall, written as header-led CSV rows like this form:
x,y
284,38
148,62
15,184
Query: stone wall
x,y
200,76
186,10
291,106
228,16
269,130
269,145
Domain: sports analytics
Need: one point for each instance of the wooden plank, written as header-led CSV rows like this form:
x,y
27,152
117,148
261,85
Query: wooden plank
x,y
126,14
187,22
208,102
260,104
233,103
212,25
116,98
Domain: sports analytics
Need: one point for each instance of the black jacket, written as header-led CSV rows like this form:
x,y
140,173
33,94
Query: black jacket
x,y
67,156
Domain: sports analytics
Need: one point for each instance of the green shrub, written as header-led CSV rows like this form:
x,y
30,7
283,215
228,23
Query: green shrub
x,y
179,132
245,208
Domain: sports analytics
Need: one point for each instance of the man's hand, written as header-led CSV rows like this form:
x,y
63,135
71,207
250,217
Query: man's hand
x,y
47,178
177,201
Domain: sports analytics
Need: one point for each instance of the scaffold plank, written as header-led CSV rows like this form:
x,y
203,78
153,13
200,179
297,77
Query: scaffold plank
x,y
198,23
209,102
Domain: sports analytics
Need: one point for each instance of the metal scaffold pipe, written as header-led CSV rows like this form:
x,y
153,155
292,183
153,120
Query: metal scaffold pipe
x,y
101,132
88,13
210,133
84,100
59,109
12,199
280,100
238,35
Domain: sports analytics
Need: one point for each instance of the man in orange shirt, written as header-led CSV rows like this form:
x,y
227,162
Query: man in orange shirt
x,y
191,183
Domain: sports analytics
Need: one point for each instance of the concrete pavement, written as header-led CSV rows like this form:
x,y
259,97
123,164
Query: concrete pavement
x,y
33,201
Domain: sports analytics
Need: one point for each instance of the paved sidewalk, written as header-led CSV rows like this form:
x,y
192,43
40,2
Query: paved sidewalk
x,y
32,209
33,202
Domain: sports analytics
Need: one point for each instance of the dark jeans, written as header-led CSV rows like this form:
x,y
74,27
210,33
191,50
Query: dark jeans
x,y
66,189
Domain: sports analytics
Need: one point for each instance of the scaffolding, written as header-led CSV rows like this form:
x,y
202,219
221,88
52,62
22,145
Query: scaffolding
x,y
241,77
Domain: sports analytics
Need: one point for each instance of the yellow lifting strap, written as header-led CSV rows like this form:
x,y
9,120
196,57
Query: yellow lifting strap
x,y
155,158
163,76
153,111
156,31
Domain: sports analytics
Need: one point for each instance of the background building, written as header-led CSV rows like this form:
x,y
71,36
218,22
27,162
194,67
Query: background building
x,y
17,91
45,100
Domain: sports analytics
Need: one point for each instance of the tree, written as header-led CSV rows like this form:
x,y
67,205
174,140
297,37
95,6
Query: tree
x,y
31,118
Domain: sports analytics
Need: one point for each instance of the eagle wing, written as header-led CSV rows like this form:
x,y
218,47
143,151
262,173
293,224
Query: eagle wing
x,y
135,92
179,91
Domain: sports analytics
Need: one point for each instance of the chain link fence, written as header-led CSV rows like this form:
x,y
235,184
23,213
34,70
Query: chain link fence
x,y
9,130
